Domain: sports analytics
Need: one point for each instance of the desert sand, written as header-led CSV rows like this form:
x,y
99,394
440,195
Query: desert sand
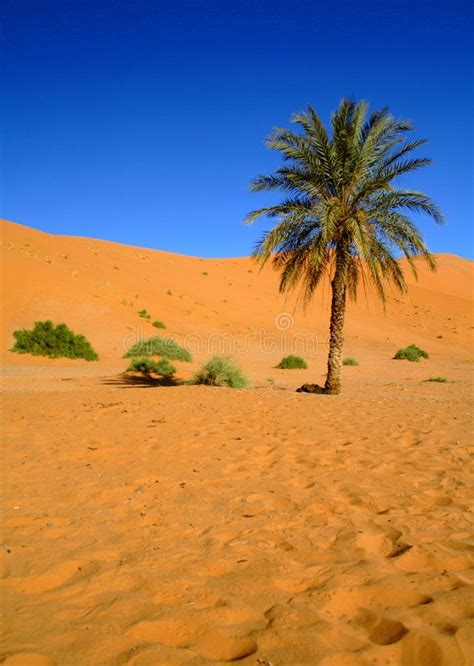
x,y
147,526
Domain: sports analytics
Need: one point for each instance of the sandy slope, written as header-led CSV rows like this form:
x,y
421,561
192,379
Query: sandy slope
x,y
188,525
99,287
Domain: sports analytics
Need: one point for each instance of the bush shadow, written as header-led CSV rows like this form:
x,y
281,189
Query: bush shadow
x,y
126,380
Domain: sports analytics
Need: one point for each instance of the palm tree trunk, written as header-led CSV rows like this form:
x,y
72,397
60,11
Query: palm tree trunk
x,y
336,328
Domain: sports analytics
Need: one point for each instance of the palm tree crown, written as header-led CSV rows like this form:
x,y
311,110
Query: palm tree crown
x,y
342,214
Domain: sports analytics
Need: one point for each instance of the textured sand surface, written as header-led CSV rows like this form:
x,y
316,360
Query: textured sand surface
x,y
155,526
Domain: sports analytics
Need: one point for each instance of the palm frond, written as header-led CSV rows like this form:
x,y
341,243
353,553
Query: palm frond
x,y
341,200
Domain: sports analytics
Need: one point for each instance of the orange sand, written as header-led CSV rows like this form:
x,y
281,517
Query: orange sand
x,y
190,525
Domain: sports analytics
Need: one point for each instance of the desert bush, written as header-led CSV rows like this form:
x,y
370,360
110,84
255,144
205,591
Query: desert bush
x,y
440,380
350,361
158,346
144,314
411,353
147,367
58,341
291,362
221,371
158,324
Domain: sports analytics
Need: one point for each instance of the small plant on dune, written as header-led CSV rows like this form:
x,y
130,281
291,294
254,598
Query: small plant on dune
x,y
58,341
440,380
158,346
205,273
147,367
350,361
167,349
411,353
158,324
144,314
221,371
292,362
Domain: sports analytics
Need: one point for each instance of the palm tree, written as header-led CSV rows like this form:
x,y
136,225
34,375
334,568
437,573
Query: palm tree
x,y
342,215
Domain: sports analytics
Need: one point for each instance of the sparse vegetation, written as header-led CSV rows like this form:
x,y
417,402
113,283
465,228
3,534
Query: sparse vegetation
x,y
169,292
292,362
166,348
350,361
440,380
58,341
221,371
439,337
205,273
411,353
158,346
158,324
144,314
147,367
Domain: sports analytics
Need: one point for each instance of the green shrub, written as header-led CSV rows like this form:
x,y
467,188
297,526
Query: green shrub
x,y
221,371
59,341
291,362
147,366
144,314
441,380
411,353
158,324
350,361
157,346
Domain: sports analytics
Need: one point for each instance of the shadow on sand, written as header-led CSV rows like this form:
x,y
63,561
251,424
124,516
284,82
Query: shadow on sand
x,y
144,381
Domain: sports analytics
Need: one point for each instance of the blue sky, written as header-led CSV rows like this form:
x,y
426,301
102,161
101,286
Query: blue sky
x,y
143,122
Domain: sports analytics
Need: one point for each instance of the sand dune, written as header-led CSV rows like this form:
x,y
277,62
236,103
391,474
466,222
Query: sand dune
x,y
191,525
99,287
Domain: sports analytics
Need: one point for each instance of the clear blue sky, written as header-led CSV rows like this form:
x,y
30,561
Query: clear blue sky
x,y
143,121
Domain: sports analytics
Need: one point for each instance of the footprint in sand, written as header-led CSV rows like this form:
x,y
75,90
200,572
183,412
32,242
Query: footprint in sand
x,y
344,659
221,646
433,558
422,651
213,644
434,499
342,640
28,659
384,542
62,575
346,602
380,630
173,632
272,502
465,640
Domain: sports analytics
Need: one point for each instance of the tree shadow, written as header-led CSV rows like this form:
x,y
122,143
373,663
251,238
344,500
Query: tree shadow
x,y
144,381
312,388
